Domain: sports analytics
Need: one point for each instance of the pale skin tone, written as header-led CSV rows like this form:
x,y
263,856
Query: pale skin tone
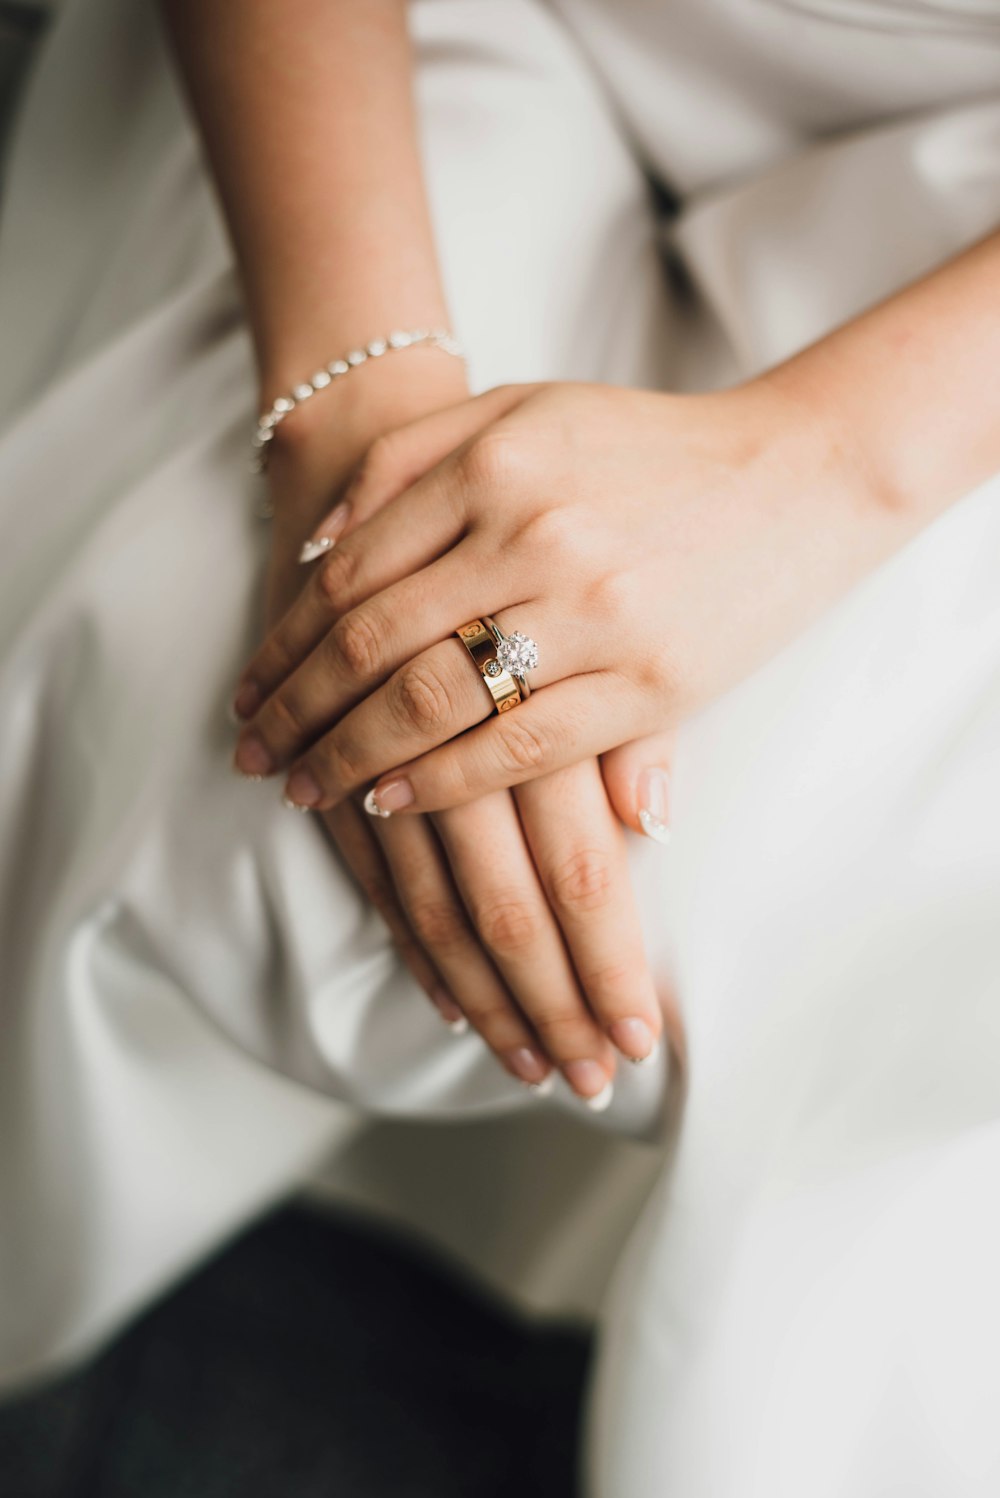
x,y
658,547
306,113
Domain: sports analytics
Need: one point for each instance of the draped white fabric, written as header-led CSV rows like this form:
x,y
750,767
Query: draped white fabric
x,y
809,1303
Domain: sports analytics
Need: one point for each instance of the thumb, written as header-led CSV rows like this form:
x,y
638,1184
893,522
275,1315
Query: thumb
x,y
637,780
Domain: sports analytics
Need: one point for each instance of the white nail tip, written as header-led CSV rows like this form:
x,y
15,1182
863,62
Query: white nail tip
x,y
372,807
313,549
234,716
653,827
294,805
457,1026
601,1100
543,1088
645,1060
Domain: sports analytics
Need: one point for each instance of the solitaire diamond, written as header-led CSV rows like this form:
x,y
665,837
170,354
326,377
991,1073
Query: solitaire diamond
x,y
518,654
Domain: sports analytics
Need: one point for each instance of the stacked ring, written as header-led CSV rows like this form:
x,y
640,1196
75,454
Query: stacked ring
x,y
517,653
481,643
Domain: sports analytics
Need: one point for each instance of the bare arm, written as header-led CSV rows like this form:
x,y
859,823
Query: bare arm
x,y
307,114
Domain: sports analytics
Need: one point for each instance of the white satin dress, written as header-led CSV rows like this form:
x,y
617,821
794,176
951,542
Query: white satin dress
x,y
196,1007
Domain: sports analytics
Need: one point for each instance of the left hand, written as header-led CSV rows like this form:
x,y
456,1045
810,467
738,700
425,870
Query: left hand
x,y
657,547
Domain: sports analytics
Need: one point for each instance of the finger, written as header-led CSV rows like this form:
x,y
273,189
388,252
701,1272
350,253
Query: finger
x,y
637,780
579,851
434,697
400,457
395,543
570,720
361,650
436,913
492,867
352,835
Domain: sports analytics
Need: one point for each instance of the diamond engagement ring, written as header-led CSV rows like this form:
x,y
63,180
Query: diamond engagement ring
x,y
516,653
501,660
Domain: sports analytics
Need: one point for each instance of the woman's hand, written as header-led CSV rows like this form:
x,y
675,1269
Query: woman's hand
x,y
657,548
540,940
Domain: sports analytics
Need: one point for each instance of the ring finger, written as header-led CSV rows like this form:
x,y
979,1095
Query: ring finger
x,y
429,700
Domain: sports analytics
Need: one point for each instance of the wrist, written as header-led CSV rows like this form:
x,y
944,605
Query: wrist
x,y
317,447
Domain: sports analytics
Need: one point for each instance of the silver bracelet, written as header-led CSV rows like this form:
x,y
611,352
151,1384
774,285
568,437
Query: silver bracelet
x,y
268,423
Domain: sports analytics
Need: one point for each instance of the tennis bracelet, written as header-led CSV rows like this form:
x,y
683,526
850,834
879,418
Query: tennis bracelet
x,y
268,423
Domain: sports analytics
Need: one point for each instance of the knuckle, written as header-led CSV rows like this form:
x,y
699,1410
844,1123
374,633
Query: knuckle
x,y
286,716
582,882
335,575
421,698
608,985
491,461
607,598
521,749
378,462
565,1031
275,661
549,532
439,924
335,765
498,1023
357,642
508,925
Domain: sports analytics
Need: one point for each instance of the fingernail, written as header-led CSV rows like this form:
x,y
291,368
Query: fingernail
x,y
634,1038
654,810
543,1088
449,1011
325,537
392,795
247,701
527,1065
301,789
372,807
294,805
587,1078
601,1100
251,757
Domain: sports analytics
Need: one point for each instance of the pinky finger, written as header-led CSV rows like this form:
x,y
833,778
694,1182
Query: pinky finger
x,y
351,834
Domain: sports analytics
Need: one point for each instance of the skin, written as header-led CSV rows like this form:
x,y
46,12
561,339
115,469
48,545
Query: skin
x,y
659,547
514,911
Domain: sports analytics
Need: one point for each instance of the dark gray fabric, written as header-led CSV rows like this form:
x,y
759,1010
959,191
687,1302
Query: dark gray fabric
x,y
315,1358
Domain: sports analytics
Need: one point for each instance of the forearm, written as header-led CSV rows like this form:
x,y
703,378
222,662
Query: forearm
x,y
911,387
307,116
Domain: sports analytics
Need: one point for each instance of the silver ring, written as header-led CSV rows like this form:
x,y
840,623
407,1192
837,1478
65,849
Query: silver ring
x,y
517,653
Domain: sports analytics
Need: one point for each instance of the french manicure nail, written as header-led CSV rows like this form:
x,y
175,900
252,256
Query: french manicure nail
x,y
543,1088
372,807
294,805
449,1011
301,789
601,1101
634,1038
325,538
252,758
654,810
247,701
313,549
527,1065
587,1078
392,795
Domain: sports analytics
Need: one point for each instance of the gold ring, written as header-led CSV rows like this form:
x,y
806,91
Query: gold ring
x,y
481,645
